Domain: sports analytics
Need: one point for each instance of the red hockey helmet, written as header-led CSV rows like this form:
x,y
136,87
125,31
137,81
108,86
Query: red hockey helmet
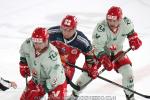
x,y
40,35
69,21
114,13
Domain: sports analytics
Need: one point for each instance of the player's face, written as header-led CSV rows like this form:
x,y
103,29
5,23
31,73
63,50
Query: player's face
x,y
67,32
39,46
113,23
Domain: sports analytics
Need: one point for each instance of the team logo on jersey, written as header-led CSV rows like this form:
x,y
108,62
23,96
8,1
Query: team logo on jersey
x,y
97,36
56,93
53,55
127,21
63,50
74,51
113,47
100,28
67,22
28,41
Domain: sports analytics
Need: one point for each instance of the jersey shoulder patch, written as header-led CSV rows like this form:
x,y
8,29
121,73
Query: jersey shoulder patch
x,y
100,27
127,20
127,23
99,30
28,40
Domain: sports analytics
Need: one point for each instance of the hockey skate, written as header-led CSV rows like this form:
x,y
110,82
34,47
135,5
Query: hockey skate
x,y
131,97
73,96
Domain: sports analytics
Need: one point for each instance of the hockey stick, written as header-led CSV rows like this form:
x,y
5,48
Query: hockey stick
x,y
26,77
99,71
120,56
82,87
76,87
26,81
145,96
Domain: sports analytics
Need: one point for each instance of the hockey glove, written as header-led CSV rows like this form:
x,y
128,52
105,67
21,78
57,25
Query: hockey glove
x,y
92,70
134,41
24,70
106,62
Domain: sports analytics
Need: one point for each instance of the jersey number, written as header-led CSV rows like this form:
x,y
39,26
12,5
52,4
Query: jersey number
x,y
53,55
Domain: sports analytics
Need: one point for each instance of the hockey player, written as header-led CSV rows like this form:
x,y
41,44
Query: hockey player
x,y
5,84
108,38
70,42
41,60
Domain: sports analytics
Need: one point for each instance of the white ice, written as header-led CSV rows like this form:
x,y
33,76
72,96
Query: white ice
x,y
18,18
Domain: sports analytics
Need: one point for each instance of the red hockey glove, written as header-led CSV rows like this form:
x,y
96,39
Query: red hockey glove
x,y
92,70
24,70
134,41
38,93
106,62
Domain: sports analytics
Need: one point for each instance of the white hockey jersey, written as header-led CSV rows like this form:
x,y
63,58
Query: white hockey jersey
x,y
103,38
47,65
